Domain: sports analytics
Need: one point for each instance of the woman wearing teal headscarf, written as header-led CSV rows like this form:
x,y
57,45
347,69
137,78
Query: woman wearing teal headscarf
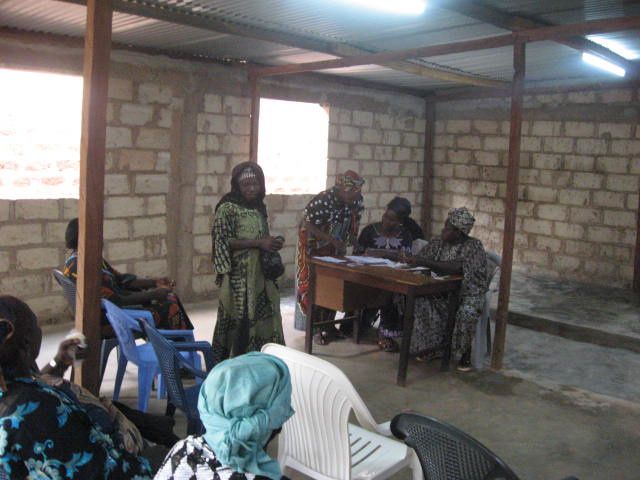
x,y
243,403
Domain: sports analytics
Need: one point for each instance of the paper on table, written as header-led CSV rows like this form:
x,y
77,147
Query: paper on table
x,y
331,259
368,260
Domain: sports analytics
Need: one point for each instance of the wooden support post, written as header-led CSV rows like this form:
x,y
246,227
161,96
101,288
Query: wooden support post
x,y
427,167
511,205
636,263
97,48
255,116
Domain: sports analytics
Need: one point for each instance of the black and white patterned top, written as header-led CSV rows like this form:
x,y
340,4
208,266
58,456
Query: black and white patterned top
x,y
328,212
193,459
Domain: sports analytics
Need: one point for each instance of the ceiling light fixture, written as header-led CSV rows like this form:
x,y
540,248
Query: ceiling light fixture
x,y
409,7
603,64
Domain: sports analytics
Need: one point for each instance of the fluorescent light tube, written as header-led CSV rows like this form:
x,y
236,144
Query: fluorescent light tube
x,y
409,7
603,64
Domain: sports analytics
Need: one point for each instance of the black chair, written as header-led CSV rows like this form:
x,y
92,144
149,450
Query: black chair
x,y
447,453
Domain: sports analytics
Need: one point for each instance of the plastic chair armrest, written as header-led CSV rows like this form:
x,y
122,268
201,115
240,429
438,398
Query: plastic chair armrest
x,y
187,335
201,346
384,429
198,373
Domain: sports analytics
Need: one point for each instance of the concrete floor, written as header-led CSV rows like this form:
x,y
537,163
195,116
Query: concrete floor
x,y
540,414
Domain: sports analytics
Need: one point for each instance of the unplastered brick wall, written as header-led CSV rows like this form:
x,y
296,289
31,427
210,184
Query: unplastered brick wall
x,y
579,180
382,138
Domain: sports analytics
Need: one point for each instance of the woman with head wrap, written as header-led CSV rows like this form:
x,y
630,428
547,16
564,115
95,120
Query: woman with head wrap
x,y
394,232
454,252
48,429
330,223
249,303
127,290
243,403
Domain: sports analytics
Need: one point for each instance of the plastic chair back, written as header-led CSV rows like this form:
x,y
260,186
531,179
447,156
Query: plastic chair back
x,y
316,438
123,326
482,337
68,289
447,453
170,362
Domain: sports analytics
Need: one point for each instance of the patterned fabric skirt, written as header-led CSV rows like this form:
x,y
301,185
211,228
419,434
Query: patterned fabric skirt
x,y
430,323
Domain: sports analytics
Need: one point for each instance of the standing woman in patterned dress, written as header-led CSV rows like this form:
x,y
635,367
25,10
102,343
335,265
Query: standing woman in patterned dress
x,y
330,223
249,304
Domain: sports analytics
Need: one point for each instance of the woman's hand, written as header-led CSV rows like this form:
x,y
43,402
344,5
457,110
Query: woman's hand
x,y
67,352
339,246
159,294
271,244
165,282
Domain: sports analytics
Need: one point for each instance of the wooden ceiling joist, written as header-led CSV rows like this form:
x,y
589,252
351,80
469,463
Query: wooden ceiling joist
x,y
516,23
211,23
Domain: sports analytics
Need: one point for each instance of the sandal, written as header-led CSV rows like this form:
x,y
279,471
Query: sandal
x,y
387,344
321,338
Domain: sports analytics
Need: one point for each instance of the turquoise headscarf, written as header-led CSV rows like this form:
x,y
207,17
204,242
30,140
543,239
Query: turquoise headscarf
x,y
241,402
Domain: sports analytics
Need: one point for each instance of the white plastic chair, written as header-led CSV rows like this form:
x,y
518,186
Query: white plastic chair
x,y
319,442
482,337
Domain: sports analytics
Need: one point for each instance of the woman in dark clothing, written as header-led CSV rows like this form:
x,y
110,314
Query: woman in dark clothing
x,y
154,295
394,233
50,431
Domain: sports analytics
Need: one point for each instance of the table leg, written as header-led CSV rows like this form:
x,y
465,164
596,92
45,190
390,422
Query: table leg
x,y
357,321
308,336
407,329
451,324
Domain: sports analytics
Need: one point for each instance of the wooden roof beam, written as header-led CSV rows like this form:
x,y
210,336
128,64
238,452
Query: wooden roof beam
x,y
211,23
516,23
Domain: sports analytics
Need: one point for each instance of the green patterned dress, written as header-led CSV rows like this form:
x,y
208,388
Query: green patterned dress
x,y
249,304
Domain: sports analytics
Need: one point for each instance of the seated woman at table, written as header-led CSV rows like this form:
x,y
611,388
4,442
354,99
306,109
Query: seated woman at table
x,y
454,252
127,290
50,428
243,404
395,232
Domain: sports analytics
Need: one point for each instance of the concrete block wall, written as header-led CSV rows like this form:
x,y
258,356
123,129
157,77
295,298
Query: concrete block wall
x,y
579,180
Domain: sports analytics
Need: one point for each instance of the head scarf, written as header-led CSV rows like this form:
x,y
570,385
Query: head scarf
x,y
241,402
349,179
461,219
243,171
401,206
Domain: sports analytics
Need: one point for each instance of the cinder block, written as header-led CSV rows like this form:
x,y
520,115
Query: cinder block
x,y
546,129
18,285
116,229
362,119
617,218
602,234
391,137
284,220
211,164
585,215
116,184
622,183
118,207
5,209
143,227
154,138
566,263
151,183
591,146
552,212
118,137
383,120
587,180
614,130
235,144
54,232
625,147
401,154
125,250
441,141
390,168
612,164
236,105
600,269
120,89
23,234
579,129
485,126
361,152
617,95
202,224
542,227
136,160
135,114
399,184
471,172
579,248
581,97
213,144
558,144
212,103
494,143
151,268
471,142
535,257
207,184
203,284
383,153
240,125
165,118
380,184
338,150
409,169
37,258
549,244
608,199
37,209
210,123
5,261
153,93
531,144
458,126
632,201
579,163
155,247
486,158
494,174
568,230
541,194
370,169
484,189
410,139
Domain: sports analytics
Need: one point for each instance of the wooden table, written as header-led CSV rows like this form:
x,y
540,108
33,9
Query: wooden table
x,y
347,287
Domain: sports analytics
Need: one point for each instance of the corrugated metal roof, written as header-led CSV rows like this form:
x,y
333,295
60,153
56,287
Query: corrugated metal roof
x,y
333,21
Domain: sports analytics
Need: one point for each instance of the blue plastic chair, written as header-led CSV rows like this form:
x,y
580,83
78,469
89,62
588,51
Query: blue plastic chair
x,y
171,358
141,355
